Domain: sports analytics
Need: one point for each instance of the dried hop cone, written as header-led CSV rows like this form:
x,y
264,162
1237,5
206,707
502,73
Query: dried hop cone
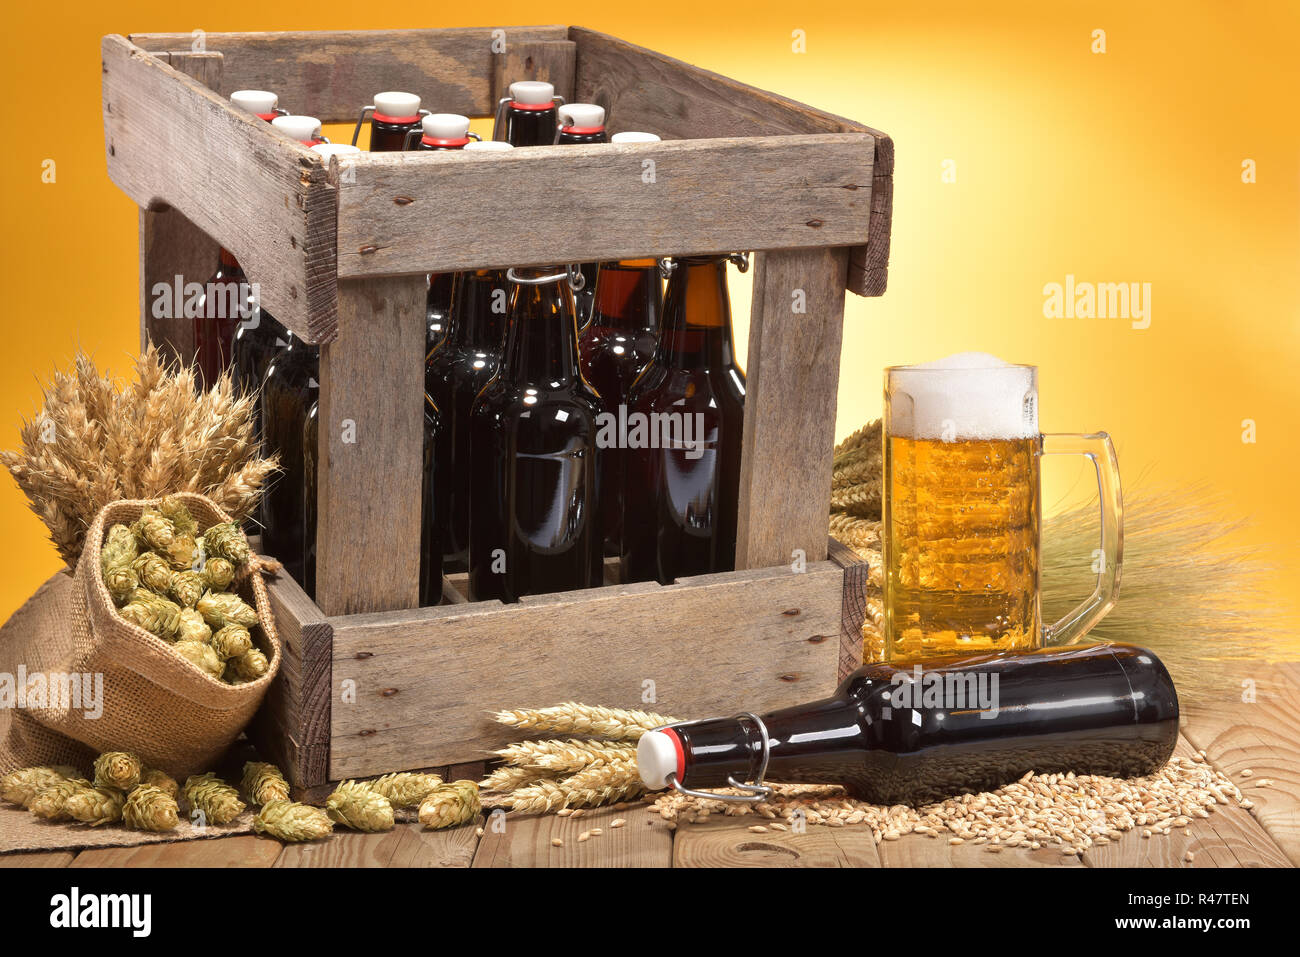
x,y
359,808
121,583
117,769
187,588
192,627
154,571
232,641
406,789
226,540
162,781
263,783
292,822
181,552
201,656
448,805
52,802
148,808
175,511
96,806
21,786
222,608
154,530
218,573
120,548
158,616
214,798
249,666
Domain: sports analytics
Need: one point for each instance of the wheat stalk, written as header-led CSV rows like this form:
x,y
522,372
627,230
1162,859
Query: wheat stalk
x,y
573,718
561,756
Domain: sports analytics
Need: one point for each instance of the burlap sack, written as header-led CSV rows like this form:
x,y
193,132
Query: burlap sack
x,y
155,703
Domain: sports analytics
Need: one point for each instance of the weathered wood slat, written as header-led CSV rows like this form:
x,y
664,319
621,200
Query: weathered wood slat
x,y
170,141
551,61
644,840
37,859
425,678
244,850
292,728
796,325
332,74
407,845
853,607
545,205
728,842
372,437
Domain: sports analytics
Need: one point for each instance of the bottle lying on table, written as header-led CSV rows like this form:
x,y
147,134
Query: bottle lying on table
x,y
911,733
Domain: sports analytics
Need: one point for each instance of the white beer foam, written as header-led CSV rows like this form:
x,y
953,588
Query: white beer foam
x,y
971,395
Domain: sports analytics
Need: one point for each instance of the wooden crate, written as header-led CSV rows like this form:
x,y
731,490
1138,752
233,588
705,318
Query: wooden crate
x,y
340,251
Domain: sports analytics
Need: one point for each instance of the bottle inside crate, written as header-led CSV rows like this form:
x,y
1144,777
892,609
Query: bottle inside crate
x,y
528,116
393,116
289,389
582,124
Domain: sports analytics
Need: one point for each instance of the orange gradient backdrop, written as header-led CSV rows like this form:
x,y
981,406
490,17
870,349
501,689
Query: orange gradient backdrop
x,y
1123,166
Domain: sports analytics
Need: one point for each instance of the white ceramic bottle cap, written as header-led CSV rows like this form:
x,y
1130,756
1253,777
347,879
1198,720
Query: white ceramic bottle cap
x,y
255,101
398,106
445,126
335,149
532,92
634,138
301,128
657,757
583,116
489,146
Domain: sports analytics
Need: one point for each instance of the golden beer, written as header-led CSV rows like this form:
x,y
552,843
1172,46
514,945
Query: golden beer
x,y
961,527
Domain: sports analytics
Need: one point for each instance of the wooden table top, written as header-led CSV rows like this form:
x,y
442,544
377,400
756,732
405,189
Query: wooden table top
x,y
1262,736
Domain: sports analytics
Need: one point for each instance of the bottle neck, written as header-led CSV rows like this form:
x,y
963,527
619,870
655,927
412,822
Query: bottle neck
x,y
697,316
478,310
542,334
628,297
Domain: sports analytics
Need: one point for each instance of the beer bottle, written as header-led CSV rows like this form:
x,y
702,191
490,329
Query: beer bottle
x,y
685,415
392,117
615,347
897,733
310,470
441,131
582,124
304,129
431,533
289,388
264,103
527,117
455,374
534,519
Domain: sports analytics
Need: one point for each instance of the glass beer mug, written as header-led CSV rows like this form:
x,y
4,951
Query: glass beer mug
x,y
962,511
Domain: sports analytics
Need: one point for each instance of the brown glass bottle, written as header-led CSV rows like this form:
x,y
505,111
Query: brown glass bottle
x,y
454,375
226,298
394,116
615,347
310,469
534,519
903,733
582,124
431,533
289,388
528,116
680,498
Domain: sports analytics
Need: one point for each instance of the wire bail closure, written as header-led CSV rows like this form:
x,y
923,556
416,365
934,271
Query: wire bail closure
x,y
572,272
366,110
498,118
756,790
667,265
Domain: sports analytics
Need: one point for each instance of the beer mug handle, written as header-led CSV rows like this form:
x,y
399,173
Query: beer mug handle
x,y
1107,559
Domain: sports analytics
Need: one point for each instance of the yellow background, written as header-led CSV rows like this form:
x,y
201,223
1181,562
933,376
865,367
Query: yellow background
x,y
1122,166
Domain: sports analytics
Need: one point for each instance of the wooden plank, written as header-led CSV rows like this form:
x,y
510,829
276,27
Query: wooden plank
x,y
407,845
644,840
728,842
332,74
853,606
37,859
170,141
869,263
1263,737
424,679
551,61
707,196
292,728
795,330
1229,837
246,850
919,850
372,436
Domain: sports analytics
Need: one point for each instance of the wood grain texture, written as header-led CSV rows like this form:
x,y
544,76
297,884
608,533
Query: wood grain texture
x,y
1263,737
853,606
37,859
243,851
790,395
645,90
372,437
728,842
407,845
292,728
170,141
332,74
644,840
586,203
551,61
425,679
